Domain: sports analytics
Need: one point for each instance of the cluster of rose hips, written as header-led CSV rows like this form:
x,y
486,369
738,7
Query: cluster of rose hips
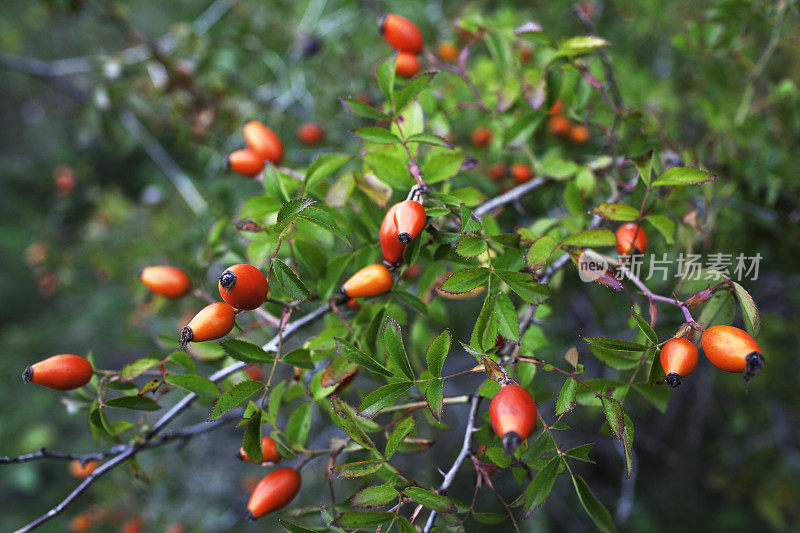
x,y
562,127
404,36
727,347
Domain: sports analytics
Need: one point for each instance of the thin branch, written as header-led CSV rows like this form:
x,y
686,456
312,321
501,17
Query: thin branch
x,y
509,196
475,400
587,23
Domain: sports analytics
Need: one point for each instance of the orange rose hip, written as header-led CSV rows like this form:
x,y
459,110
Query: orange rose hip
x,y
64,371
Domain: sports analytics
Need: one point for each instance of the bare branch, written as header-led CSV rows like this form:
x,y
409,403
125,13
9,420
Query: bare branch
x,y
475,400
508,197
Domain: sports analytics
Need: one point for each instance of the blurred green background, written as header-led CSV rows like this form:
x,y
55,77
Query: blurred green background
x,y
724,457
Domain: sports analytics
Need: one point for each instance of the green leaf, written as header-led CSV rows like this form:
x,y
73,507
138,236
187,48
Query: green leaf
x,y
431,500
432,140
664,225
402,430
524,285
346,420
245,351
275,397
299,357
750,313
294,528
591,237
390,168
290,211
616,360
411,90
289,281
540,251
357,469
619,212
646,328
498,456
353,354
327,218
437,351
375,496
434,396
521,129
135,403
471,246
658,396
199,385
577,46
383,396
137,368
484,334
251,443
393,341
373,134
581,453
627,444
352,520
567,396
506,314
614,344
441,166
322,167
542,484
299,425
465,280
677,176
596,511
644,164
614,415
360,109
469,221
489,518
179,357
386,73
234,397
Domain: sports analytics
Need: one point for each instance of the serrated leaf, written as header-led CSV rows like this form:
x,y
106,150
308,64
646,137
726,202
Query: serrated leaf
x,y
484,334
506,315
346,420
245,351
614,415
498,456
437,352
678,176
431,500
540,251
471,246
234,397
664,225
619,212
616,360
360,109
375,496
401,431
750,313
299,425
596,511
251,442
581,453
627,444
441,166
322,167
289,281
290,211
135,403
358,520
411,90
591,237
646,328
396,352
357,469
524,285
540,487
432,140
327,218
615,344
199,385
294,528
386,74
137,368
183,359
434,396
465,280
567,396
383,396
353,354
657,396
373,134
469,222
411,300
